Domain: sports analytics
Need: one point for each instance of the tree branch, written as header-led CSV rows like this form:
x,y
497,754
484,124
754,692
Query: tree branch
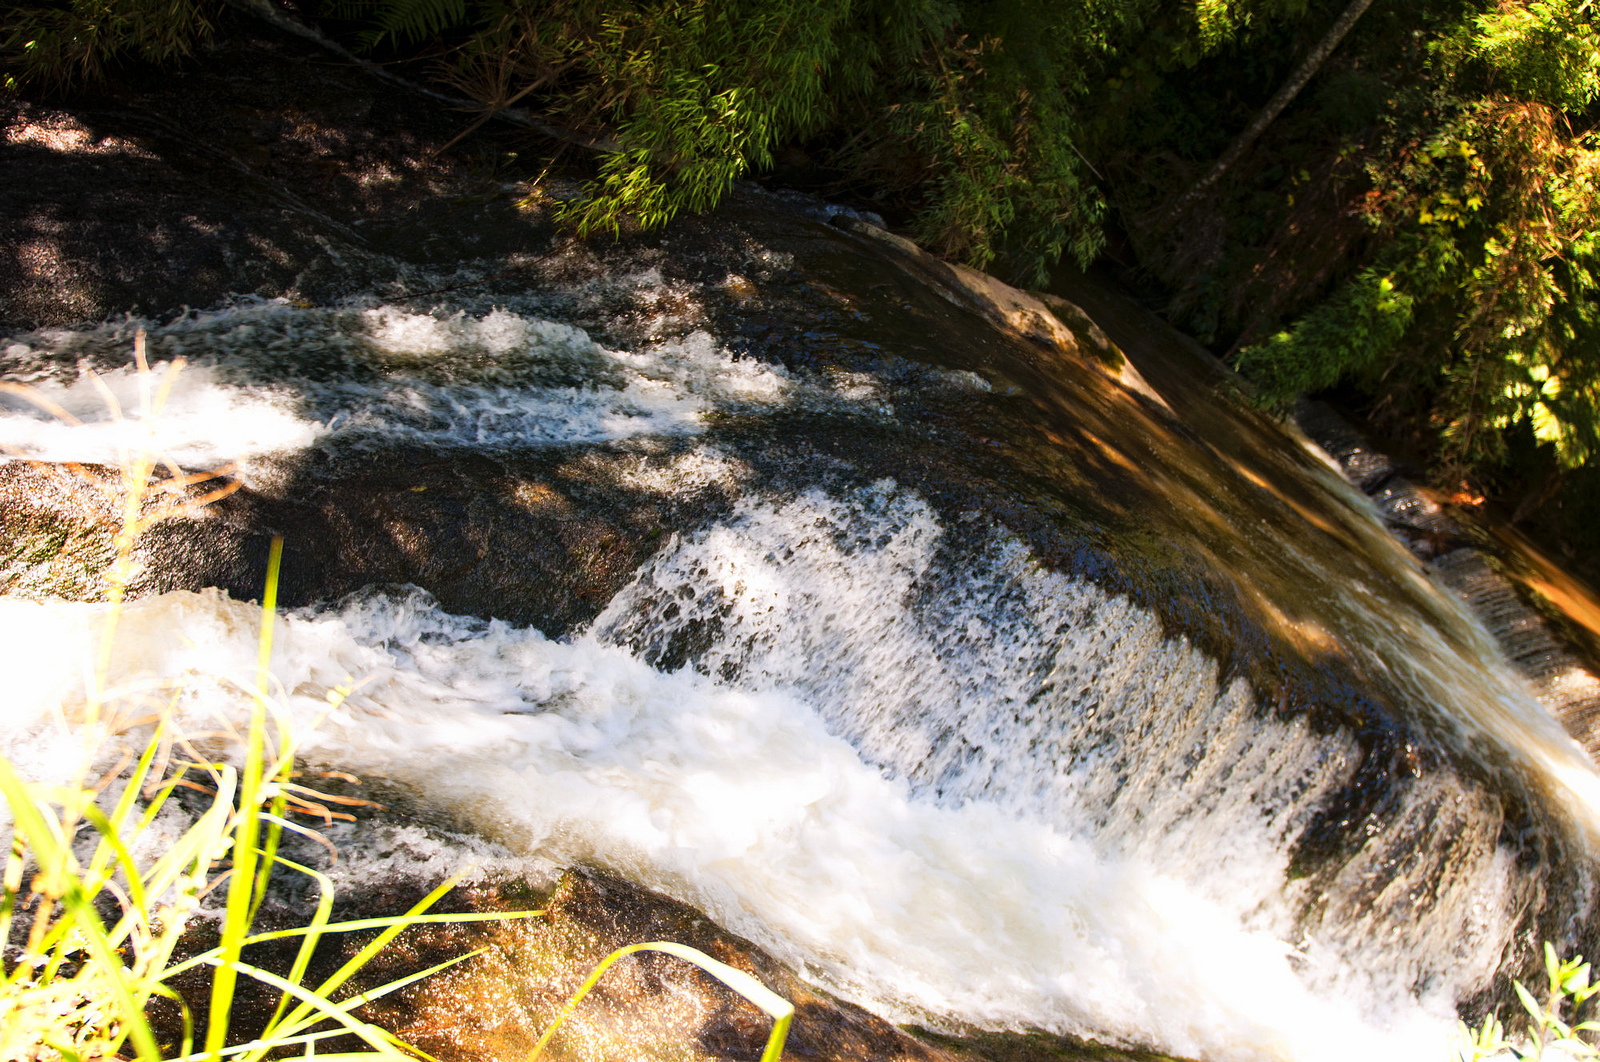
x,y
1267,115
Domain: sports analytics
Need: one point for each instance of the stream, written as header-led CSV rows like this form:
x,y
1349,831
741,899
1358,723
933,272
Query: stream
x,y
987,683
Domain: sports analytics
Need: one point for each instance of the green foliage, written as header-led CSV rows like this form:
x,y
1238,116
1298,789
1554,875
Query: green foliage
x,y
993,119
412,21
61,46
1419,229
702,94
1354,332
1488,229
1546,50
1547,1024
971,112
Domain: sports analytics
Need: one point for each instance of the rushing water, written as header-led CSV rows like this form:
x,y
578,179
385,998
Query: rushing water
x,y
1142,737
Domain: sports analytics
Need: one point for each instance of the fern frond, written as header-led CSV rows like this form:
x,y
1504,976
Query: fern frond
x,y
410,21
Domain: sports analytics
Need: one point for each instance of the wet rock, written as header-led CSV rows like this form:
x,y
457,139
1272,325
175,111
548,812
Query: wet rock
x,y
519,972
649,998
1045,320
1564,678
1363,464
647,1005
1038,429
57,529
1040,423
541,539
1479,567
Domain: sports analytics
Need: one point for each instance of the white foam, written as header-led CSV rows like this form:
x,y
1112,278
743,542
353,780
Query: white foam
x,y
271,379
688,472
1079,868
901,755
206,422
947,656
746,805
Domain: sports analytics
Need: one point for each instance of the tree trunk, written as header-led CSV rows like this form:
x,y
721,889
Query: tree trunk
x,y
1281,99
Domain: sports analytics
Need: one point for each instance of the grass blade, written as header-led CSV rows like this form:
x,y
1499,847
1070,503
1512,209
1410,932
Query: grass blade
x,y
780,1009
377,944
43,835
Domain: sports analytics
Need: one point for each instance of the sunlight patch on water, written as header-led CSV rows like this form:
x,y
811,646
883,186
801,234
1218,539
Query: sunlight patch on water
x,y
207,421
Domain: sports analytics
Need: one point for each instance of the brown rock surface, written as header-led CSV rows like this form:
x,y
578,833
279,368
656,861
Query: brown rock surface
x,y
648,1005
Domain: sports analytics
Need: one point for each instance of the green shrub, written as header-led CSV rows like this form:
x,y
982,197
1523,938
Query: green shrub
x,y
70,45
969,112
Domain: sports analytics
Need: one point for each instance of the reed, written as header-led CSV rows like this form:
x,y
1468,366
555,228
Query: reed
x,y
780,1010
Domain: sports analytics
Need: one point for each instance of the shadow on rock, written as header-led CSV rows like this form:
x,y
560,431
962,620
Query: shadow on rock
x,y
542,538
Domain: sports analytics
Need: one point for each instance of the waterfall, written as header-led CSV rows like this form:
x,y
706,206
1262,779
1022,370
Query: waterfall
x,y
943,743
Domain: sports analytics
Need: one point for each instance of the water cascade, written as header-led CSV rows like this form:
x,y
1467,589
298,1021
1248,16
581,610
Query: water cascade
x,y
977,684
